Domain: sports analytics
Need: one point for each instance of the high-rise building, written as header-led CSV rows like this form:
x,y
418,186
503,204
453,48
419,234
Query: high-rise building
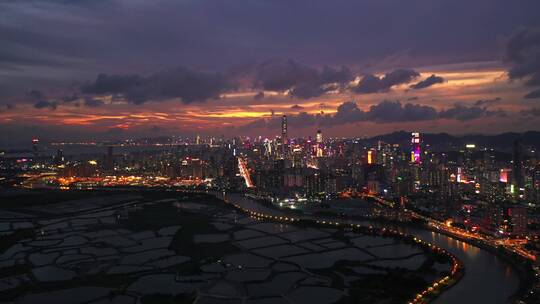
x,y
284,129
415,152
319,152
284,136
319,137
370,156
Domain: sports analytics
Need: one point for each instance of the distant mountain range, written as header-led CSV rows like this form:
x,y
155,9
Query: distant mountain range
x,y
438,141
445,141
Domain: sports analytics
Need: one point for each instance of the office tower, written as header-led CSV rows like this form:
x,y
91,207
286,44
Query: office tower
x,y
415,152
319,137
284,137
370,156
319,152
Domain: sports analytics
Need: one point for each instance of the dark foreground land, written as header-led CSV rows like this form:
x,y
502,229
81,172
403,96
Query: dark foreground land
x,y
169,247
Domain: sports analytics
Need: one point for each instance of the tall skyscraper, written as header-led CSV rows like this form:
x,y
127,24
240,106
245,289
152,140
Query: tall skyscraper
x,y
415,152
319,144
284,129
370,156
284,136
319,137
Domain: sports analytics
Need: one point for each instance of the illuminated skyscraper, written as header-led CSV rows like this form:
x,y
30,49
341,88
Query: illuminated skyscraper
x,y
370,157
284,129
284,138
319,144
415,152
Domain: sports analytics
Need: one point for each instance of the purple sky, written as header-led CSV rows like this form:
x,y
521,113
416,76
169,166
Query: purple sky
x,y
119,68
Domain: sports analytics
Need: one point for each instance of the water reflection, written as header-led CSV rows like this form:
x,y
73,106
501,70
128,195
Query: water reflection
x,y
487,278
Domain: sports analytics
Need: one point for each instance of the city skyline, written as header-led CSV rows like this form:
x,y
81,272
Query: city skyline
x,y
460,68
270,151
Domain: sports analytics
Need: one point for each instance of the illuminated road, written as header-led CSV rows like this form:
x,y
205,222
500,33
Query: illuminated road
x,y
242,167
515,246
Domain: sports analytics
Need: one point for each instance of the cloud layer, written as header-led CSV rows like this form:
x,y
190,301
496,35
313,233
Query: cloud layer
x,y
383,112
373,84
431,80
523,52
300,80
188,85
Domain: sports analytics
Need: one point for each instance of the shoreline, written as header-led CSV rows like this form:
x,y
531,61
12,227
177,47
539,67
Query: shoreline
x,y
523,275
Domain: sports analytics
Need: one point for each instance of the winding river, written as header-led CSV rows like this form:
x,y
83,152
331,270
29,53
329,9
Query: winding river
x,y
488,279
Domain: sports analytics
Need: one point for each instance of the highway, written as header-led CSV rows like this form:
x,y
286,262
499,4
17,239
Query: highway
x,y
244,172
515,246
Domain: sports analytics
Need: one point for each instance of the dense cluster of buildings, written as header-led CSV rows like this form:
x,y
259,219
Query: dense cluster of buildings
x,y
470,186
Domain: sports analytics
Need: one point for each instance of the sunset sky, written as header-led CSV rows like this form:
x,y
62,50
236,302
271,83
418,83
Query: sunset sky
x,y
113,69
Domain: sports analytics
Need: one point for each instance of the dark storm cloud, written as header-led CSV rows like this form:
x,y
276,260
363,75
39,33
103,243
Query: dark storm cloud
x,y
302,81
45,104
112,84
394,111
190,86
347,112
431,80
93,103
533,94
487,102
463,113
374,84
40,100
383,112
523,52
70,98
523,49
209,33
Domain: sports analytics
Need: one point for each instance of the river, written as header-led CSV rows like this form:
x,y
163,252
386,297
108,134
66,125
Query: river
x,y
488,278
